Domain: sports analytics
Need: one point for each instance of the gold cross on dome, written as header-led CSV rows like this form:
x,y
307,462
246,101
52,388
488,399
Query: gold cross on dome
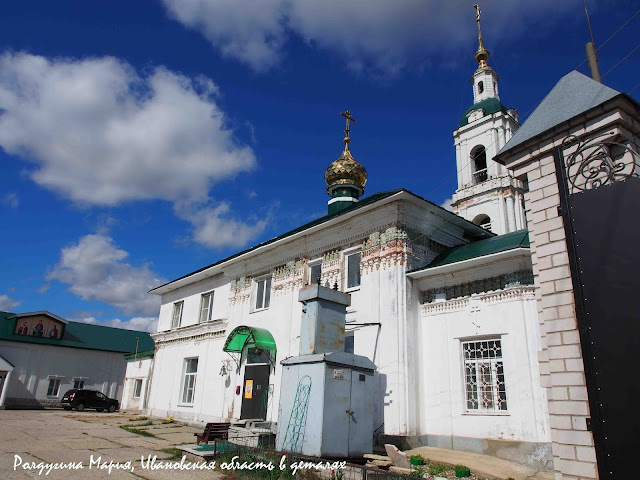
x,y
478,12
347,115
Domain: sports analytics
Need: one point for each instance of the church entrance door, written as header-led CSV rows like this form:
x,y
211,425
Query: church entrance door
x,y
256,384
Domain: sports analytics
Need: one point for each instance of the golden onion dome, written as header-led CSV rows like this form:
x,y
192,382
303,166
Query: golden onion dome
x,y
345,171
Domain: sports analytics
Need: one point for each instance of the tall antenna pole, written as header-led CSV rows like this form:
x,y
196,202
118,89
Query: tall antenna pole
x,y
590,49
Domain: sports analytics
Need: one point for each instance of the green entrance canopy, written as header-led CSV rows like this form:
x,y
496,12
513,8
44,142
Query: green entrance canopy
x,y
239,336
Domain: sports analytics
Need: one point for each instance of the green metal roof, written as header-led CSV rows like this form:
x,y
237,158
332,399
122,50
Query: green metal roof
x,y
239,336
362,203
488,246
133,356
81,335
488,105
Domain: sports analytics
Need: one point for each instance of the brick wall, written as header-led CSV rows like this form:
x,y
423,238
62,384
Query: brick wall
x,y
561,365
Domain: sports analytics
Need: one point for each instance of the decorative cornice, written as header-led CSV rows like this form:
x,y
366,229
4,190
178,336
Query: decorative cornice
x,y
197,333
489,298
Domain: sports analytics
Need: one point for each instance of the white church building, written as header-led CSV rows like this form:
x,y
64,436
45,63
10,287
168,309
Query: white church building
x,y
443,306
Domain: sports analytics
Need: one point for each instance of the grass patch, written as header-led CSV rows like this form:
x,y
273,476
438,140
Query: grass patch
x,y
143,424
169,420
138,419
137,431
437,469
174,453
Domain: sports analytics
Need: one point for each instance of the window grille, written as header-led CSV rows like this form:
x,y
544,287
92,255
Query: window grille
x,y
484,376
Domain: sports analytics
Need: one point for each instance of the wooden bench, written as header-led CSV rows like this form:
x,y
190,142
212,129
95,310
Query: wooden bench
x,y
213,431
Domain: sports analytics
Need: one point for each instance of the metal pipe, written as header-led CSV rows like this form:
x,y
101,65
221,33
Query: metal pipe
x,y
592,58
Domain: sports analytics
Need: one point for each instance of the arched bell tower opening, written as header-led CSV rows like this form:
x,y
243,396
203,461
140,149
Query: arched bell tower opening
x,y
483,221
479,159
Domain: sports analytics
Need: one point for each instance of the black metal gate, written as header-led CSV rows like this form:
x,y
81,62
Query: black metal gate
x,y
600,203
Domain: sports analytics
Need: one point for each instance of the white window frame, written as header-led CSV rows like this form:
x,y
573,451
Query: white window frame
x,y
312,265
56,386
491,399
188,383
180,306
347,254
81,381
136,382
206,300
254,298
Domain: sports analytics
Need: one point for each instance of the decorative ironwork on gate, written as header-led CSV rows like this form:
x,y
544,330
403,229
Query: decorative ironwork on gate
x,y
596,163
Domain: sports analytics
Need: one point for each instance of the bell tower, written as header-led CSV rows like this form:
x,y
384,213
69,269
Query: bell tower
x,y
487,194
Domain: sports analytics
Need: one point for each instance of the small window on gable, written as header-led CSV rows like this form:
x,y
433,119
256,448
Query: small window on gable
x,y
480,87
206,304
176,318
262,293
353,270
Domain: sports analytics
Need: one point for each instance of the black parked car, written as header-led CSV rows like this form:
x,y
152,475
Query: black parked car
x,y
81,399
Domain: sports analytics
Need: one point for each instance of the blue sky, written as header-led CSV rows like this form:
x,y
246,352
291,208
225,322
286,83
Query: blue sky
x,y
140,141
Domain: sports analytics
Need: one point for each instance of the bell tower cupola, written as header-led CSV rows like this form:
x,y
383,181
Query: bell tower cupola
x,y
345,178
485,79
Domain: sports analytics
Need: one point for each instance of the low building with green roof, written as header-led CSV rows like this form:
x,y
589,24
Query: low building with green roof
x,y
50,355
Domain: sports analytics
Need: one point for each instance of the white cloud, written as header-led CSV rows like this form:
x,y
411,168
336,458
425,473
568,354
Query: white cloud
x,y
446,204
144,324
95,269
250,31
379,34
44,288
7,303
100,134
211,229
11,200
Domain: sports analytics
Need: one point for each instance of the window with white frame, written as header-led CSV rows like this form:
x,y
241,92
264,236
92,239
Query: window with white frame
x,y
54,387
484,376
189,380
137,388
262,293
176,317
78,383
314,274
206,306
353,270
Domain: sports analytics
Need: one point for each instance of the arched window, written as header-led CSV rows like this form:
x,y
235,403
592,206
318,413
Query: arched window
x,y
480,87
479,159
483,221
